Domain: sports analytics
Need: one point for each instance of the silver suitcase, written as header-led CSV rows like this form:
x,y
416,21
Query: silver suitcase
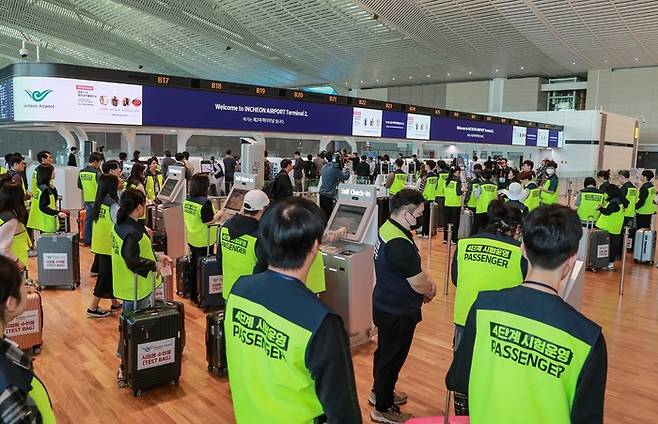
x,y
644,248
465,224
58,260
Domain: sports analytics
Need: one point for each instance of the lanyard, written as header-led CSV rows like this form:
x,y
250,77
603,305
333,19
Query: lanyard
x,y
541,285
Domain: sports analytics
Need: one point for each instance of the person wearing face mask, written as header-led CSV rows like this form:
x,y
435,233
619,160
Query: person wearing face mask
x,y
549,192
453,202
152,179
402,286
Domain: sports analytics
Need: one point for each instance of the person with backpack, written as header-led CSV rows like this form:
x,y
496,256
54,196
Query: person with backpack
x,y
281,187
217,171
310,172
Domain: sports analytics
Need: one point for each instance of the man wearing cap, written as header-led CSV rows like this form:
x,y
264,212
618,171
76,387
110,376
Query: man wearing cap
x,y
515,197
238,253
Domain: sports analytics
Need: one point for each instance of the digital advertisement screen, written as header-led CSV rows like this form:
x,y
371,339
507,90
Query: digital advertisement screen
x,y
348,216
367,122
6,100
463,130
519,136
72,100
395,125
418,126
542,138
553,138
531,137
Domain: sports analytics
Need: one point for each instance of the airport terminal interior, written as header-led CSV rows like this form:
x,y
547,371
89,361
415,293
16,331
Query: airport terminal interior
x,y
342,211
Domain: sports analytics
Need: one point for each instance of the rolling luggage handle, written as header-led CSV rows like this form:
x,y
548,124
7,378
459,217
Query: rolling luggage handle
x,y
445,284
152,295
67,224
623,261
589,225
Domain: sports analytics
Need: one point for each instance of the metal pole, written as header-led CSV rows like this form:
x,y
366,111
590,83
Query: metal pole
x,y
445,284
446,411
623,261
431,225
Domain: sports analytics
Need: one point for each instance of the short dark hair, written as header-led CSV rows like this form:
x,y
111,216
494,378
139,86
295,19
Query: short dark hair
x,y
406,197
73,149
431,163
624,173
503,217
110,165
151,160
199,184
648,174
551,234
288,231
179,157
309,157
44,174
186,154
123,156
487,173
136,154
399,162
551,164
42,155
526,175
95,157
297,153
530,163
285,163
477,166
15,158
228,152
605,174
10,286
167,153
363,157
589,181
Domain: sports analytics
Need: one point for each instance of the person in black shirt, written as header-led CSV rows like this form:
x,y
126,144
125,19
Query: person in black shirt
x,y
603,177
298,171
502,173
363,171
281,187
400,291
500,372
135,158
229,171
644,219
616,201
72,159
310,172
355,161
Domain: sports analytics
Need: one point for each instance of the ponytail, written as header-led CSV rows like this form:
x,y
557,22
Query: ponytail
x,y
503,218
130,200
452,171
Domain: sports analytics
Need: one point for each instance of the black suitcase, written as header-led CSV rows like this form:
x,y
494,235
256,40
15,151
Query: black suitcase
x,y
599,249
209,282
152,345
183,286
216,344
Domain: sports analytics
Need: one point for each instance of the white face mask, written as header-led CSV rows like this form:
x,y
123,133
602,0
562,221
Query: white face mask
x,y
550,171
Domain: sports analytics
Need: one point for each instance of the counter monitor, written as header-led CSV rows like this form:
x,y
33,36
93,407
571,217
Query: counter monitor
x,y
168,187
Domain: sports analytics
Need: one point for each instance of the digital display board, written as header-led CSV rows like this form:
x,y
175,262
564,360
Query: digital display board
x,y
367,122
467,131
418,126
531,137
6,100
395,125
519,136
542,137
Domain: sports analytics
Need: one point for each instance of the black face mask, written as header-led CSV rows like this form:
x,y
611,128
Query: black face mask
x,y
416,226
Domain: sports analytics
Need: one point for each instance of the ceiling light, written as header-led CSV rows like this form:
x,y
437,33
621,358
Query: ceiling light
x,y
605,61
393,78
637,58
469,72
410,77
428,75
345,83
361,81
573,63
496,70
522,68
377,80
448,74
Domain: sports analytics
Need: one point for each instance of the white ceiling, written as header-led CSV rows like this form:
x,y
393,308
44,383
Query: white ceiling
x,y
311,42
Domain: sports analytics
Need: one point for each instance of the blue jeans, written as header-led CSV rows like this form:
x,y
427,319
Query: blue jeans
x,y
129,306
88,223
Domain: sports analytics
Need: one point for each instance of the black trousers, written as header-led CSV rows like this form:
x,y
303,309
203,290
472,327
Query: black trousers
x,y
615,246
228,185
452,217
395,334
327,205
643,221
426,219
196,253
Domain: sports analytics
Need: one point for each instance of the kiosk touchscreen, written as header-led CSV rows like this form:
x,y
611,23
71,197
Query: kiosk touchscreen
x,y
169,214
170,188
233,204
125,172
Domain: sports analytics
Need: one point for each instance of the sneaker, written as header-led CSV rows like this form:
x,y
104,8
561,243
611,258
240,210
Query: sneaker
x,y
393,415
115,308
611,266
98,313
398,398
424,236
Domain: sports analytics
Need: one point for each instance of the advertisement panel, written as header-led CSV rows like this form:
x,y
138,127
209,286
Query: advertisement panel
x,y
366,122
542,138
466,131
519,136
531,137
418,126
73,100
395,125
553,138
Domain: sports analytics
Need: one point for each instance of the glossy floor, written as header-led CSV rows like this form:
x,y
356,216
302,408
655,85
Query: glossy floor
x,y
79,367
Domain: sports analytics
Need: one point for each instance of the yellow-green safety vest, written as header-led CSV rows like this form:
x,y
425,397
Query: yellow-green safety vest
x,y
41,399
472,200
429,191
399,182
238,258
452,198
533,200
3,170
441,184
509,349
649,208
149,186
631,196
38,220
315,280
88,180
21,242
484,264
196,230
101,237
549,198
612,223
589,200
123,279
488,193
34,178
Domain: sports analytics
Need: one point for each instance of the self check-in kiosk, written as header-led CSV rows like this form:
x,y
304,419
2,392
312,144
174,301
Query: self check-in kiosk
x,y
348,263
169,213
242,184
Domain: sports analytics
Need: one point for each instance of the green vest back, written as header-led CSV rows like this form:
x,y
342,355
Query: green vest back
x,y
484,264
441,184
472,200
3,170
612,223
429,192
315,280
101,237
40,397
21,243
123,279
238,258
488,192
649,208
196,230
399,181
89,185
450,193
149,186
275,350
549,198
34,179
588,202
631,196
39,220
533,200
514,353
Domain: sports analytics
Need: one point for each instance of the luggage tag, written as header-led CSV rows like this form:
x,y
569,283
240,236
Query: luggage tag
x,y
165,271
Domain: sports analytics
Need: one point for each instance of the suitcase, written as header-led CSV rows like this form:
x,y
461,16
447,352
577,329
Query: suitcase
x,y
209,281
82,215
216,344
27,329
439,215
465,224
598,249
58,260
644,248
183,287
152,345
434,218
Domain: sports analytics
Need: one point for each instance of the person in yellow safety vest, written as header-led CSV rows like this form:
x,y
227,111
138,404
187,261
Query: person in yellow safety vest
x,y
88,183
199,214
14,240
396,181
136,182
453,203
485,194
23,396
43,158
532,199
113,167
629,192
549,191
428,188
43,215
470,198
588,201
104,216
439,195
153,179
612,221
133,255
645,207
293,373
526,356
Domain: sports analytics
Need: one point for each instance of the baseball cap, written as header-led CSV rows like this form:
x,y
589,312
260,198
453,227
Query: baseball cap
x,y
255,200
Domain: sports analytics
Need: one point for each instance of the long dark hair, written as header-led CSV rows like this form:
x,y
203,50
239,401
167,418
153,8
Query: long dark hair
x,y
453,170
199,184
11,283
136,174
129,201
107,187
503,218
12,200
44,174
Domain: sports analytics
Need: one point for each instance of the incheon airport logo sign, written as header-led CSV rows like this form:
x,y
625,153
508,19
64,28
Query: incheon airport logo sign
x,y
38,96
